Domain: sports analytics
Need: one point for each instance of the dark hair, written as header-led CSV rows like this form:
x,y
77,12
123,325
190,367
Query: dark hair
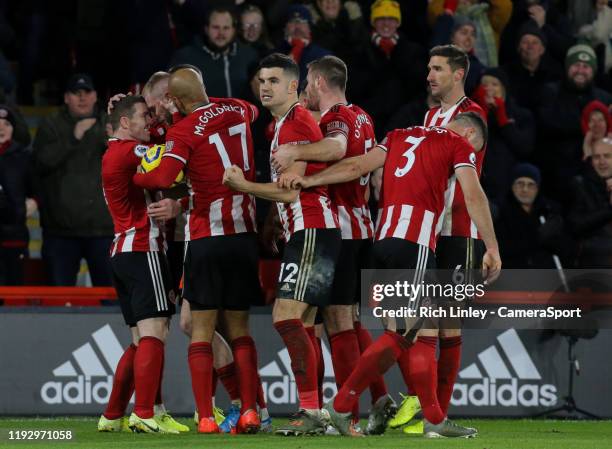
x,y
333,69
279,60
222,10
124,107
457,58
475,120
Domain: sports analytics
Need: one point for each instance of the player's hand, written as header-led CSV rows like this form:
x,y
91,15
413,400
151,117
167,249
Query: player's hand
x,y
491,266
233,177
82,126
291,181
31,207
165,209
283,157
167,104
114,99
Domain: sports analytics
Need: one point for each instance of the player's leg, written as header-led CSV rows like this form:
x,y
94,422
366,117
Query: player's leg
x,y
384,352
313,322
113,419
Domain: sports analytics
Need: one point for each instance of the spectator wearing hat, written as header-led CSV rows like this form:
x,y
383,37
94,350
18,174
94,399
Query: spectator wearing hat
x,y
298,42
463,35
219,55
533,70
512,132
590,211
400,66
596,124
546,17
16,203
67,156
530,228
560,150
339,27
489,18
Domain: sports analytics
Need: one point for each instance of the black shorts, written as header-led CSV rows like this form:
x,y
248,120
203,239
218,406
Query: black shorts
x,y
143,285
459,259
400,254
307,268
222,272
354,256
176,257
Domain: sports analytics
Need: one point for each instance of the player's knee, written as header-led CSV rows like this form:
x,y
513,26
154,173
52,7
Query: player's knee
x,y
185,325
449,333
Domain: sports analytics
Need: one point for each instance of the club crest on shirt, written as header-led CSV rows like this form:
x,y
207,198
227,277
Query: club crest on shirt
x,y
169,145
140,150
473,158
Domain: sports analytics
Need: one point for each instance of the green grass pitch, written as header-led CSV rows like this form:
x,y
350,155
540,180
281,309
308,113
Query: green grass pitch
x,y
494,434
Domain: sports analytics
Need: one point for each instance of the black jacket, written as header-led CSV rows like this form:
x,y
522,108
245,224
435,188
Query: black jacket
x,y
69,174
505,147
590,220
526,243
15,187
559,151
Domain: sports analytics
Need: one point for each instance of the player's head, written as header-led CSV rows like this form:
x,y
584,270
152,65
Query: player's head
x,y
448,67
526,180
601,159
186,89
471,126
130,118
196,69
279,77
220,28
326,74
154,92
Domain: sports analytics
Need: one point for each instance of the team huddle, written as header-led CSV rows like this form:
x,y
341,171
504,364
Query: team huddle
x,y
432,213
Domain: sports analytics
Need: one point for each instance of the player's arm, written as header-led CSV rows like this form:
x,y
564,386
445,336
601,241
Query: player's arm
x,y
271,191
163,176
478,208
330,148
343,171
166,209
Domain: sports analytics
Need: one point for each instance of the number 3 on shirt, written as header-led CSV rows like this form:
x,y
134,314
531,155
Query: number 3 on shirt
x,y
409,155
215,139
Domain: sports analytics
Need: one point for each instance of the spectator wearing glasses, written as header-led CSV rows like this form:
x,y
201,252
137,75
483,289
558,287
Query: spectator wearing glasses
x,y
254,32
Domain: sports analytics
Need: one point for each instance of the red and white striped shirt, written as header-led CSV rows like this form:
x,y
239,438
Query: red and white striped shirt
x,y
418,164
127,203
207,141
455,221
350,197
312,208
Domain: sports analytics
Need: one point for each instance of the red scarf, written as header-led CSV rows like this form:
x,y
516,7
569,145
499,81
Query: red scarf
x,y
4,147
386,44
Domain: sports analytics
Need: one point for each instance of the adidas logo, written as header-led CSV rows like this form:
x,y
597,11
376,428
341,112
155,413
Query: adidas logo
x,y
279,384
508,381
88,365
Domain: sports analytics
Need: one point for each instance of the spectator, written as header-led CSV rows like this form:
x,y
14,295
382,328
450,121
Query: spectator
x,y
68,151
400,67
598,32
339,27
511,132
547,18
559,117
524,240
489,18
298,42
596,123
411,114
463,35
15,201
533,70
590,215
219,55
253,31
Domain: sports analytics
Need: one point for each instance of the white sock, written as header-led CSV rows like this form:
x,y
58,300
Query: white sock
x,y
263,414
159,409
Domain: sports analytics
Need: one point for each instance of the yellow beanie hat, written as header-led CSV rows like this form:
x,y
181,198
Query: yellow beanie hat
x,y
385,8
